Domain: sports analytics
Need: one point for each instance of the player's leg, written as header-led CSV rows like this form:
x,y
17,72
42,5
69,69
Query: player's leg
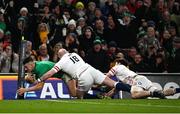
x,y
146,84
72,87
71,84
119,86
138,92
100,78
80,94
85,82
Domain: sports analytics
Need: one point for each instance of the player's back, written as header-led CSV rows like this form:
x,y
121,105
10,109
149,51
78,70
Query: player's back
x,y
122,72
73,64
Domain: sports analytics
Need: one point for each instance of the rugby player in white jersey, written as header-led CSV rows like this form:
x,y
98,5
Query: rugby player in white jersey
x,y
141,87
86,75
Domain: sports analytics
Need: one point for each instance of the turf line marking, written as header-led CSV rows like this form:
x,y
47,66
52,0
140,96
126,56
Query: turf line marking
x,y
124,104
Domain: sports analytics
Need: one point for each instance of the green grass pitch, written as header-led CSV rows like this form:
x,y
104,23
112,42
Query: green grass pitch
x,y
91,106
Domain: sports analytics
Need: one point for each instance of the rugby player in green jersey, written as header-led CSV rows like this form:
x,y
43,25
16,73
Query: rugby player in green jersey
x,y
36,69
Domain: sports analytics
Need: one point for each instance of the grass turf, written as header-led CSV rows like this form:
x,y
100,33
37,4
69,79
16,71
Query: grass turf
x,y
91,106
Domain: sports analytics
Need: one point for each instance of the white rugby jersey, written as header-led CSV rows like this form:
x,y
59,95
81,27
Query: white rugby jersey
x,y
72,64
123,73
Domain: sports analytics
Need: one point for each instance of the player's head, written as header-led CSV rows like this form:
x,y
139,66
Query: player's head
x,y
61,52
29,78
123,62
28,64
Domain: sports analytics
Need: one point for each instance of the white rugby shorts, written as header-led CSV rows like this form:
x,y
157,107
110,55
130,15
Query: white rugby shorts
x,y
141,82
90,77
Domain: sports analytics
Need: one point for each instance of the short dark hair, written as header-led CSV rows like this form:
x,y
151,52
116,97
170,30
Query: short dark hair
x,y
123,62
27,60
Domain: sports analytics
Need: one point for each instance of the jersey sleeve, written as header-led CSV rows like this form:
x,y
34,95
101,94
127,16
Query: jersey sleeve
x,y
112,71
57,66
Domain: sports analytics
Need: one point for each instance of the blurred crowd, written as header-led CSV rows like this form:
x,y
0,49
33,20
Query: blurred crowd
x,y
145,33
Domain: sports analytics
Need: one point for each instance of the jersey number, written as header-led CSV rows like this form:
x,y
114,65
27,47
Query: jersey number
x,y
74,59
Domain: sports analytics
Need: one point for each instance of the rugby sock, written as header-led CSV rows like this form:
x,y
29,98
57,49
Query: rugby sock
x,y
177,90
119,86
89,96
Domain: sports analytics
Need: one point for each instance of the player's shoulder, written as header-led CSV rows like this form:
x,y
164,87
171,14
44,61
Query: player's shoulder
x,y
45,62
120,66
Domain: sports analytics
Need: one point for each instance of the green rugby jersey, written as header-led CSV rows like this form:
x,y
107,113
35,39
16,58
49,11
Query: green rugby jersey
x,y
41,67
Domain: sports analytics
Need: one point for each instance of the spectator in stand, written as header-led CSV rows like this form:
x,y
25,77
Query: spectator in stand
x,y
1,35
79,10
152,41
7,39
108,7
147,12
127,31
81,23
132,5
2,22
170,5
122,8
175,64
57,21
100,58
66,16
161,7
90,12
29,51
112,50
159,65
141,40
43,32
99,28
172,28
43,53
98,15
111,31
29,4
165,22
175,15
131,54
71,42
104,45
54,56
9,61
139,65
166,42
50,3
45,15
87,38
71,27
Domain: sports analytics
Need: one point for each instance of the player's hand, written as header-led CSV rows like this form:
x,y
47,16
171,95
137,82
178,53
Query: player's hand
x,y
21,91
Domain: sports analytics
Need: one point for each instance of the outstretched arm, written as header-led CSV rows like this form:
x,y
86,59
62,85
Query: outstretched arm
x,y
36,87
47,75
109,74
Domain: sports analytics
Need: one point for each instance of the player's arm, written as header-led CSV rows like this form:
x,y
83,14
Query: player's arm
x,y
36,87
111,72
47,75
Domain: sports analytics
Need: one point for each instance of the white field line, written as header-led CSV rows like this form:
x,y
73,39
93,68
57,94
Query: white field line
x,y
115,104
